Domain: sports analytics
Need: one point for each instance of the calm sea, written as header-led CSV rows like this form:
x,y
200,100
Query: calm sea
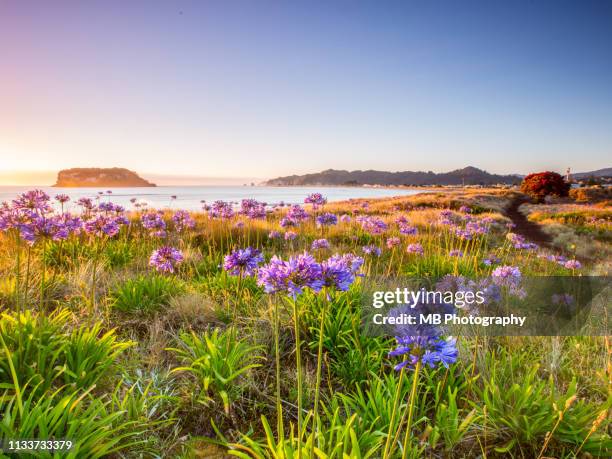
x,y
190,197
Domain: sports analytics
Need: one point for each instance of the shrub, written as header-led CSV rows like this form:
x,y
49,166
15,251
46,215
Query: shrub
x,y
217,360
41,351
542,184
32,348
88,357
144,294
94,429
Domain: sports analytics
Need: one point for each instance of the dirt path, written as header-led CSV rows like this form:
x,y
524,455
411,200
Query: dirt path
x,y
529,230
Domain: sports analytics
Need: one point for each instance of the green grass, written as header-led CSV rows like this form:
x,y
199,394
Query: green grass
x,y
184,364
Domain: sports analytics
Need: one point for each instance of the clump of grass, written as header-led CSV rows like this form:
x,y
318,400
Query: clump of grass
x,y
45,353
217,360
144,294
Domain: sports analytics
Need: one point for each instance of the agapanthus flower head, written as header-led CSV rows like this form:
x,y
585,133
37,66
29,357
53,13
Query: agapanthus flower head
x,y
43,227
464,234
221,209
478,226
274,234
491,260
154,223
337,274
106,207
239,224
292,276
319,244
286,221
372,225
62,198
253,209
316,199
242,262
428,349
327,219
122,220
455,253
393,242
182,220
371,250
515,238
465,209
345,218
290,235
102,225
415,248
351,261
34,200
166,259
407,230
297,213
506,272
401,220
85,203
573,264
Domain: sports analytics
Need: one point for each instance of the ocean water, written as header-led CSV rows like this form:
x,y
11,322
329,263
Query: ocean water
x,y
191,197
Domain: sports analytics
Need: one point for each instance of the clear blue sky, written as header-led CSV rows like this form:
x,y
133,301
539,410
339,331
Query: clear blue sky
x,y
263,88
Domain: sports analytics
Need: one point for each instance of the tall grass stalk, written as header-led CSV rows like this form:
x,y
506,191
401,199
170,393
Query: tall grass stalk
x,y
396,401
315,417
298,363
411,402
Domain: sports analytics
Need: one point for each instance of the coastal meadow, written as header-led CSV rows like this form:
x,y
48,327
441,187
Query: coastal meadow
x,y
237,331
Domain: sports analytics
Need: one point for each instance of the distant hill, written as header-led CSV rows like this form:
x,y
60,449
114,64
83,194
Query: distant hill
x,y
607,172
468,176
98,177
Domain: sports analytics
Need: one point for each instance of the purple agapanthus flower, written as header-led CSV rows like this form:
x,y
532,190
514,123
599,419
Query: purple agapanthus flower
x,y
182,220
327,219
372,225
316,199
297,214
85,203
318,244
274,234
415,248
34,200
455,253
429,350
291,276
345,218
465,209
242,262
253,209
221,209
573,264
505,272
336,274
290,235
491,260
101,225
371,250
408,230
166,259
351,261
393,242
154,223
62,198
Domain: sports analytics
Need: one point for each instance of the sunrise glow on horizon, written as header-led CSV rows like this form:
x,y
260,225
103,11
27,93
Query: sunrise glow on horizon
x,y
222,91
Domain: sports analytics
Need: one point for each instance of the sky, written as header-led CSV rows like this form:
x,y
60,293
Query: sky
x,y
258,89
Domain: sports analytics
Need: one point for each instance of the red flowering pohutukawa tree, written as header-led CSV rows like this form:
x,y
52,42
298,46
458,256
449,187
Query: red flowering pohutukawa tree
x,y
542,184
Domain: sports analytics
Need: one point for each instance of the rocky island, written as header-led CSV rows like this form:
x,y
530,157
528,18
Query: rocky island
x,y
100,177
